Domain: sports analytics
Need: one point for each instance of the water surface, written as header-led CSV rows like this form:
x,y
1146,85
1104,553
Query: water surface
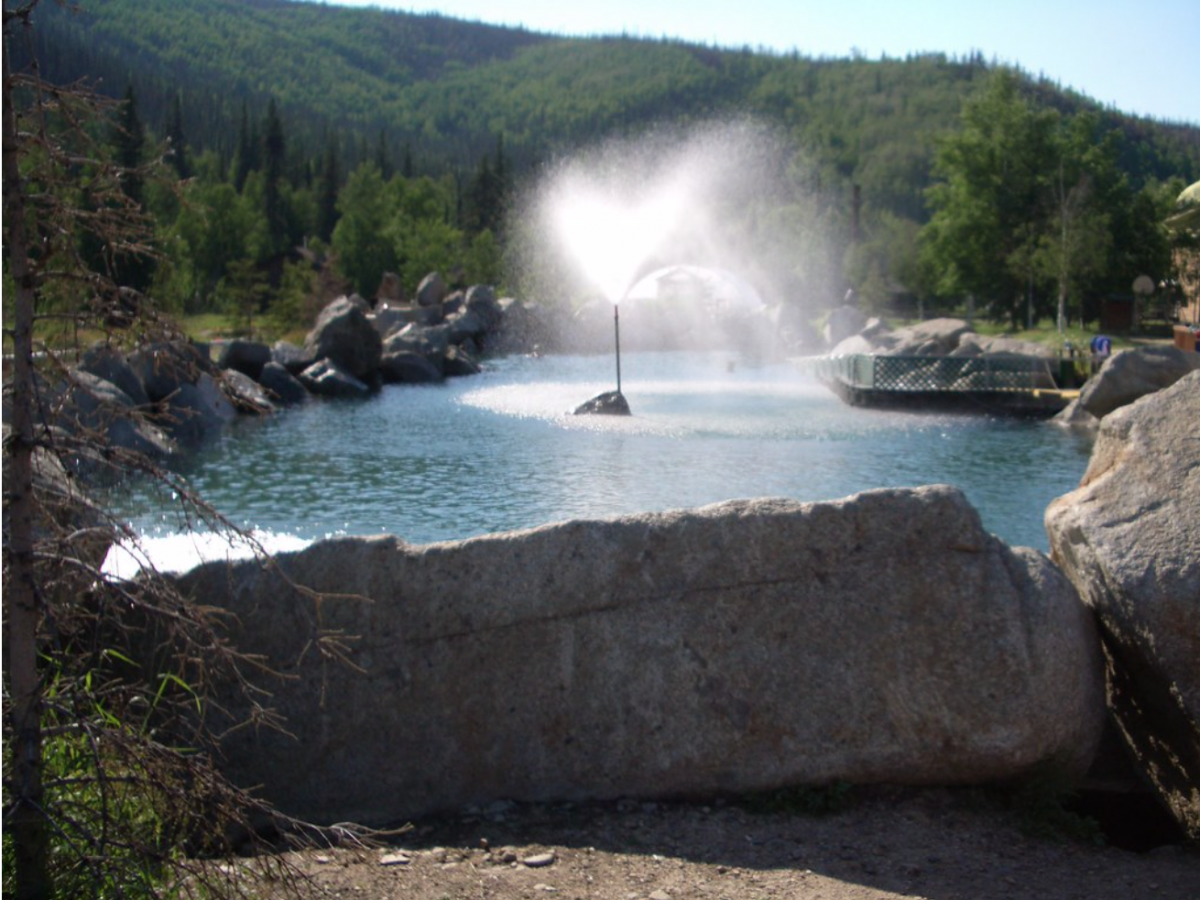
x,y
501,451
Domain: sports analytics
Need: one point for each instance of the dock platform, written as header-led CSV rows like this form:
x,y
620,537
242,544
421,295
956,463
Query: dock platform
x,y
981,385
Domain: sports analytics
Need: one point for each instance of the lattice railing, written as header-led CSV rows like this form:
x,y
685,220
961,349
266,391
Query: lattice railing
x,y
932,373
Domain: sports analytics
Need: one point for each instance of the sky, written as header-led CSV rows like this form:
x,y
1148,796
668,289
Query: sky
x,y
1141,57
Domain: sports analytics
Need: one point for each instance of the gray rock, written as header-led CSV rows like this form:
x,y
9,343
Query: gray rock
x,y
481,300
326,378
744,646
282,385
294,359
388,319
247,357
610,403
107,362
164,367
430,342
247,395
197,411
455,301
432,290
88,403
853,345
1131,374
344,335
935,337
459,362
971,343
1075,416
465,325
1129,539
843,322
405,367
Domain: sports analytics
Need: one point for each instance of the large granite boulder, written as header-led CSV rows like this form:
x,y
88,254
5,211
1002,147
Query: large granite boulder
x,y
294,359
246,394
406,367
432,290
198,410
164,367
87,403
247,357
1132,374
344,335
1129,539
934,337
749,645
326,378
107,362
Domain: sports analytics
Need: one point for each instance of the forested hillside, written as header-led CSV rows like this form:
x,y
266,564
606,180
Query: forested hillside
x,y
281,108
447,88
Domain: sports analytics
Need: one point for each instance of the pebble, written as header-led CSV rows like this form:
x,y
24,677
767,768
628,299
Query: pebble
x,y
539,861
322,860
394,859
660,895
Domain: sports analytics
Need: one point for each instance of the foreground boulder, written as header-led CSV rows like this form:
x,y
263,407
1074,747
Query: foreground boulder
x,y
748,645
1129,539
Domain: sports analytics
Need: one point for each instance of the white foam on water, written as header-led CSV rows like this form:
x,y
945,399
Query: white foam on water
x,y
175,553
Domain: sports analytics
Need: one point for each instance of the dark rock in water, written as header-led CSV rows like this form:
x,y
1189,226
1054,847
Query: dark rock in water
x,y
284,386
610,403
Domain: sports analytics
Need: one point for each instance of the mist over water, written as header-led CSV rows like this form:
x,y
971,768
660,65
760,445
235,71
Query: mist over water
x,y
725,203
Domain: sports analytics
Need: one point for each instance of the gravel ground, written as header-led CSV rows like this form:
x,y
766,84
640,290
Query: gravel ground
x,y
936,844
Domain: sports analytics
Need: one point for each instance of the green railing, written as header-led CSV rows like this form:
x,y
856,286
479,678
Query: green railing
x,y
932,373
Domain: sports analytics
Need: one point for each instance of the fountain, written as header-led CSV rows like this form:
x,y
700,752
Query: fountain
x,y
616,222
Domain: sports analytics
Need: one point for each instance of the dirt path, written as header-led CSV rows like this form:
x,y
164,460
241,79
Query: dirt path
x,y
939,845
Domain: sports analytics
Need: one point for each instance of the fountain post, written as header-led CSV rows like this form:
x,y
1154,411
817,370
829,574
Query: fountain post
x,y
617,333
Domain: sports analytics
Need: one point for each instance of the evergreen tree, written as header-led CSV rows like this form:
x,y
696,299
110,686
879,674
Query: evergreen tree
x,y
274,159
327,197
246,159
128,138
383,158
179,146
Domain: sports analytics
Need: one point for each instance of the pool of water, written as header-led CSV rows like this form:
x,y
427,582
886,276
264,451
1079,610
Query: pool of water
x,y
501,451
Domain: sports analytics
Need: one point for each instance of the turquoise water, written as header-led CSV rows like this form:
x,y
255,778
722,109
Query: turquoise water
x,y
501,451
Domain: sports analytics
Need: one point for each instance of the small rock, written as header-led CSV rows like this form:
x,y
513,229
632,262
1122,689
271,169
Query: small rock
x,y
322,860
545,888
539,861
394,859
660,895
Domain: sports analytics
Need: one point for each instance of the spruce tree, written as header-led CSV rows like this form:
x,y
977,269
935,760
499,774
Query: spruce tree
x,y
179,145
274,159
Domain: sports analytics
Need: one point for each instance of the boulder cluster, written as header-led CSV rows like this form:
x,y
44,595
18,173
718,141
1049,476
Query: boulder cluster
x,y
848,332
172,394
354,347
